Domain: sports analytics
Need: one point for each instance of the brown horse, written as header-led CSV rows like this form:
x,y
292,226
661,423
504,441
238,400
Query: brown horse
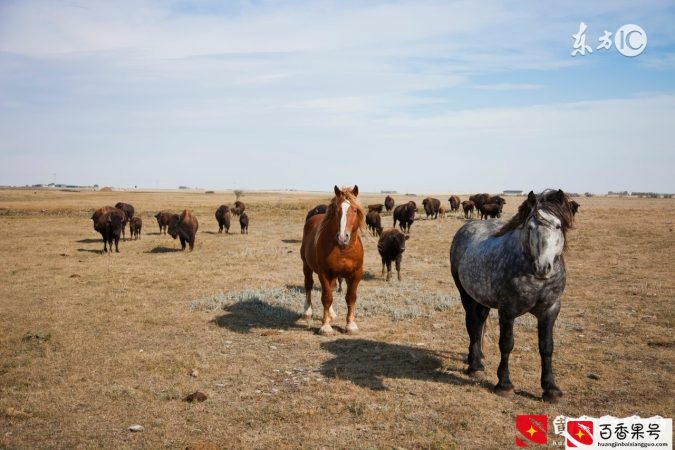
x,y
331,248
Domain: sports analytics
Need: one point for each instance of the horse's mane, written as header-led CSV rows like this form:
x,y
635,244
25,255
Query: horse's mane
x,y
332,210
554,202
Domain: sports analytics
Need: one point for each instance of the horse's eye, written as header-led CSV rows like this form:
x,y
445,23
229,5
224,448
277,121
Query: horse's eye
x,y
557,227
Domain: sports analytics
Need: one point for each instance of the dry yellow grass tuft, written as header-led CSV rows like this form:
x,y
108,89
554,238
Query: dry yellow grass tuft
x,y
92,344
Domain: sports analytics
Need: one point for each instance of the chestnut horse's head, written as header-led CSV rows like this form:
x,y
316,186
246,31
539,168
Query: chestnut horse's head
x,y
346,212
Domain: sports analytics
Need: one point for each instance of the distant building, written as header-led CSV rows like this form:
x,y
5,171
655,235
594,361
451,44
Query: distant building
x,y
513,192
387,192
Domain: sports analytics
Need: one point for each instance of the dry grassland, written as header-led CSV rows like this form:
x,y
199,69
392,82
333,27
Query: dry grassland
x,y
91,344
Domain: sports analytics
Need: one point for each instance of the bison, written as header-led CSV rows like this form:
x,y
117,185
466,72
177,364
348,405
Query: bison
x,y
129,211
135,225
223,217
574,206
388,203
163,219
243,223
184,227
377,207
455,202
490,210
318,209
468,206
431,206
441,212
109,222
405,215
391,246
373,222
479,199
239,208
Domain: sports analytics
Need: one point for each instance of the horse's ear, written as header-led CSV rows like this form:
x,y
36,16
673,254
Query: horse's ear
x,y
558,196
338,192
355,191
531,199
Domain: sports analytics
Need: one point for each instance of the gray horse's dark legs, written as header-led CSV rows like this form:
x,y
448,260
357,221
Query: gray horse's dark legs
x,y
545,328
475,317
504,385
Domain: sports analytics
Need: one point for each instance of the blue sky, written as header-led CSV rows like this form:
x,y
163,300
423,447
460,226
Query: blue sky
x,y
416,96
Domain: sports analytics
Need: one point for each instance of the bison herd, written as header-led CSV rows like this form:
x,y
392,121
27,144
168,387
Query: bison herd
x,y
111,223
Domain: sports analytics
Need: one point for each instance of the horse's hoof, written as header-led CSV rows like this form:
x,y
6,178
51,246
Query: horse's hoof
x,y
552,395
504,391
352,328
474,373
326,330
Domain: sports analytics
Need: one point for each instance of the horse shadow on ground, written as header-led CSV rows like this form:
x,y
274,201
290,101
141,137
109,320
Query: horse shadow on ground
x,y
368,364
161,249
291,241
88,250
89,241
242,316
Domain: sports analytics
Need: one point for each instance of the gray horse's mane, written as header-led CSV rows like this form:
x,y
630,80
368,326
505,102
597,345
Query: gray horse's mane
x,y
554,202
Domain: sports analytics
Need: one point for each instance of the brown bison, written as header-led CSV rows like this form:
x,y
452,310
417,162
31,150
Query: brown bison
x,y
239,208
574,206
455,202
391,246
479,199
468,206
377,207
135,225
431,206
129,211
441,212
243,223
405,215
223,217
490,210
184,227
109,222
389,203
318,209
163,219
374,223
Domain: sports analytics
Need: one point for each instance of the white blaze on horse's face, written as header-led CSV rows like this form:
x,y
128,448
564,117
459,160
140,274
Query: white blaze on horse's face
x,y
546,242
343,235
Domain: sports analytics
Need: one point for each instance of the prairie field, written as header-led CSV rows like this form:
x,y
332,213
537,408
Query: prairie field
x,y
93,343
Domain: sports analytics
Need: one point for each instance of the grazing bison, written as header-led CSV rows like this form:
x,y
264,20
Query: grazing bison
x,y
388,203
243,223
184,227
374,223
109,222
163,219
431,206
405,215
129,211
135,224
239,208
391,246
377,207
496,200
490,210
467,206
455,202
223,217
318,209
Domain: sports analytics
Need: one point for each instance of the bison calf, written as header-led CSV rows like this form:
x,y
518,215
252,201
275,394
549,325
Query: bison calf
x,y
135,225
391,247
184,227
468,206
163,219
243,223
374,223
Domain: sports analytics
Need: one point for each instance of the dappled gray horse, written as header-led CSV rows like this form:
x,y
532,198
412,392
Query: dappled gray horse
x,y
514,267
